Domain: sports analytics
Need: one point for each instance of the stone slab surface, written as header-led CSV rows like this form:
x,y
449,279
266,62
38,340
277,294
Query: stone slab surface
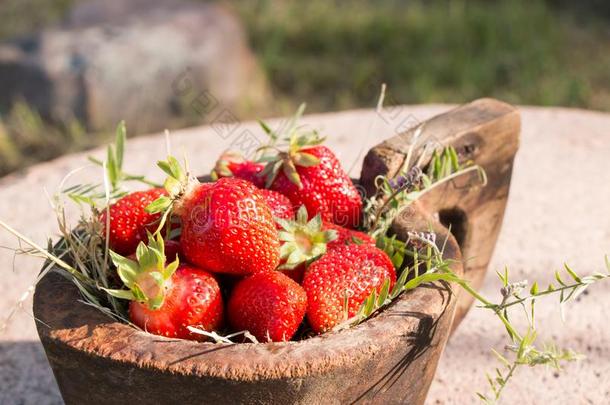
x,y
558,211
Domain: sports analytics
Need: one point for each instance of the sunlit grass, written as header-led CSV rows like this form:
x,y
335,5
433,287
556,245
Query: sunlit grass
x,y
332,54
25,138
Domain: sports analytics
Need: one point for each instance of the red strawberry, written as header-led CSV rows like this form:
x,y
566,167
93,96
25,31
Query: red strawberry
x,y
194,299
129,220
295,273
346,236
233,164
338,283
166,299
311,175
228,228
280,205
269,305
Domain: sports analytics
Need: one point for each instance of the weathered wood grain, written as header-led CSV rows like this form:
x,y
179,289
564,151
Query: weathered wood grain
x,y
485,131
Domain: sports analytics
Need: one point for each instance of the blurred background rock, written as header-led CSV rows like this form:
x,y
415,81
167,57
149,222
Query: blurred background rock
x,y
70,69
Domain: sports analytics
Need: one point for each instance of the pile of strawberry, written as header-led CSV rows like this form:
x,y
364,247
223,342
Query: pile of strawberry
x,y
269,246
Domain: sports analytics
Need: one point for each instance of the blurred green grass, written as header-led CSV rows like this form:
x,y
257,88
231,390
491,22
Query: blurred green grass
x,y
335,54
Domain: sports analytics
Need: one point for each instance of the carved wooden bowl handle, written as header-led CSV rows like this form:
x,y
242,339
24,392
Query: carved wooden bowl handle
x,y
485,131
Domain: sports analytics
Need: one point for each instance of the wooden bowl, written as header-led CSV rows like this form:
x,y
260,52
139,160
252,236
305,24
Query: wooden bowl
x,y
390,358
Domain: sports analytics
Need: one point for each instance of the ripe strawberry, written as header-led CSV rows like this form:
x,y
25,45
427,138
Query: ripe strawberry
x,y
228,228
193,299
311,175
338,283
233,164
347,236
296,273
129,220
280,205
166,299
269,305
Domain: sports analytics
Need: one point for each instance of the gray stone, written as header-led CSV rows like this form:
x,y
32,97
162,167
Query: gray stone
x,y
150,63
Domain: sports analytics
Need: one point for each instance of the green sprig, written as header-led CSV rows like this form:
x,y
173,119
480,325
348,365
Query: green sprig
x,y
411,184
93,194
522,345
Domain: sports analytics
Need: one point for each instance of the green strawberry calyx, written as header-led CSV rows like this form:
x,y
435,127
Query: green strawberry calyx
x,y
221,169
295,154
148,277
179,184
303,240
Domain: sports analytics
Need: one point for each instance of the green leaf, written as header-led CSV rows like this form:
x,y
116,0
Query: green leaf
x,y
397,259
532,311
95,160
291,172
172,186
558,278
400,283
274,169
268,168
438,168
141,251
315,224
534,289
164,165
502,359
159,205
175,169
454,158
430,277
370,303
267,159
296,257
305,159
121,261
265,127
121,294
111,167
503,277
383,293
572,273
155,303
287,248
121,135
302,215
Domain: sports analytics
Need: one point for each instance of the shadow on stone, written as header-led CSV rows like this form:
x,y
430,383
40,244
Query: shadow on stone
x,y
25,375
